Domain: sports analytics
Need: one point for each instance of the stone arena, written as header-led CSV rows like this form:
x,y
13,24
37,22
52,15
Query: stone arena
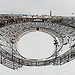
x,y
12,28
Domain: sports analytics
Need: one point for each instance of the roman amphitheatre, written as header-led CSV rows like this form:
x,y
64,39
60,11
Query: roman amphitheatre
x,y
60,29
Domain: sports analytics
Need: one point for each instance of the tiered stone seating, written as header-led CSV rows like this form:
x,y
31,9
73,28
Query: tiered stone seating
x,y
10,34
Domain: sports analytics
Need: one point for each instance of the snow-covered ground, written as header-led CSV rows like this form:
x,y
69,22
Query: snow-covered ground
x,y
67,69
39,47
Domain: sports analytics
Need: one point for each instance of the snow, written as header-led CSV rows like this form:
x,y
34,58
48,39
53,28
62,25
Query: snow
x,y
36,45
66,69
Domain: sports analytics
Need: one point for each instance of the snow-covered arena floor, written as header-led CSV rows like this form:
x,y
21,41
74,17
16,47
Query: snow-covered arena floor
x,y
36,45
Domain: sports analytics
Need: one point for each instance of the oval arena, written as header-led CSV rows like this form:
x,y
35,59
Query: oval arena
x,y
12,31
